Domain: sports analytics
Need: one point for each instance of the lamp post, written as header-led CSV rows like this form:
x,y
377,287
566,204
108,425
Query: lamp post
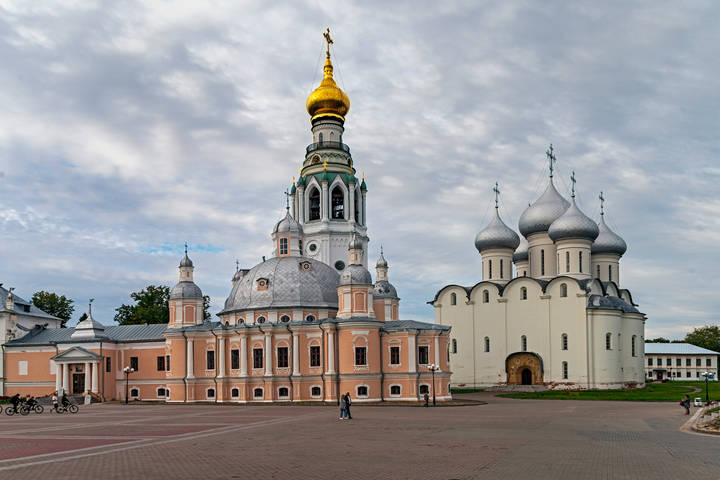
x,y
128,371
708,376
433,368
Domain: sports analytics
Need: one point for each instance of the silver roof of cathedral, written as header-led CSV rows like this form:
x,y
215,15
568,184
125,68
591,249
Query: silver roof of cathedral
x,y
185,289
573,224
291,282
384,289
288,224
496,235
521,254
186,262
355,274
608,241
540,215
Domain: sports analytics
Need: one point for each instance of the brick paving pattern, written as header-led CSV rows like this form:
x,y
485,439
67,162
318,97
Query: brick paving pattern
x,y
508,439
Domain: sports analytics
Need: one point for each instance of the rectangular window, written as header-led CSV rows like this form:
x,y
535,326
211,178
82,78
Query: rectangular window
x,y
210,363
282,357
283,246
134,363
257,358
708,362
564,370
598,271
609,273
688,362
167,363
542,262
394,355
315,356
698,362
234,359
687,374
659,362
650,362
669,362
423,355
490,269
161,363
697,374
678,362
108,365
22,367
501,268
580,262
360,355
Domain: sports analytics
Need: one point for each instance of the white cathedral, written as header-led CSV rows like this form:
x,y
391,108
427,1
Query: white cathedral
x,y
561,320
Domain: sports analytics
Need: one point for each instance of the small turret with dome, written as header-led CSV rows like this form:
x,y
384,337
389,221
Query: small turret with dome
x,y
355,290
496,243
535,222
186,298
287,236
607,249
385,298
573,233
89,328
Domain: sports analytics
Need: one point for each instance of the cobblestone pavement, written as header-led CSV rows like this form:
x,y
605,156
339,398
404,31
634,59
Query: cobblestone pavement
x,y
508,439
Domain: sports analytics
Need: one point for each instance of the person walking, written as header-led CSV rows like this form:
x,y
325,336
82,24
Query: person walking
x,y
686,404
427,399
348,402
343,407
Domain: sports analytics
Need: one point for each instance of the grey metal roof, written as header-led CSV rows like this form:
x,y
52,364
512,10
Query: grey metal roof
x,y
288,224
22,304
610,303
289,285
186,262
185,289
573,224
355,275
89,328
496,235
114,333
608,241
381,262
521,254
540,215
384,289
412,325
676,348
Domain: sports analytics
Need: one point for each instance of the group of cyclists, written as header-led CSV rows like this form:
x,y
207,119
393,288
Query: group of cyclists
x,y
27,404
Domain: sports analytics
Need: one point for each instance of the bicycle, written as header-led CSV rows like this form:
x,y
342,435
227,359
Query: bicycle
x,y
22,409
72,408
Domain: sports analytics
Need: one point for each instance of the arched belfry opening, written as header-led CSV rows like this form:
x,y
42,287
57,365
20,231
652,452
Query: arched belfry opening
x,y
337,200
524,368
314,204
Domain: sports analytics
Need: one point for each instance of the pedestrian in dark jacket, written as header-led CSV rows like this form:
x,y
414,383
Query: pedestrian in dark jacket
x,y
686,404
348,402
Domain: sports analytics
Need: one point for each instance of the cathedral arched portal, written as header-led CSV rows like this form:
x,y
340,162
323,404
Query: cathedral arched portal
x,y
524,368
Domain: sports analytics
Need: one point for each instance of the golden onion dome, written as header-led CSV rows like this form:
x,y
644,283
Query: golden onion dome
x,y
328,100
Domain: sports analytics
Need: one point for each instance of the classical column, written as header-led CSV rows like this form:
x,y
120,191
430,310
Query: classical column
x,y
268,355
296,355
65,377
331,353
243,356
221,357
411,353
95,367
189,356
58,377
87,377
437,350
324,201
351,198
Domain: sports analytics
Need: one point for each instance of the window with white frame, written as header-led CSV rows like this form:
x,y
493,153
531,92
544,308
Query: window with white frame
x,y
563,289
608,341
565,370
283,246
315,391
523,343
235,392
424,388
258,393
23,367
523,293
564,341
487,344
210,393
362,391
162,392
395,355
395,390
423,354
360,356
134,393
283,392
486,296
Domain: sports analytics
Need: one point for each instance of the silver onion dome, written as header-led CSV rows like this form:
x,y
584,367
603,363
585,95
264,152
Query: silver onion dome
x,y
540,215
608,241
381,262
384,289
186,262
496,235
521,254
355,275
288,224
187,290
573,224
355,243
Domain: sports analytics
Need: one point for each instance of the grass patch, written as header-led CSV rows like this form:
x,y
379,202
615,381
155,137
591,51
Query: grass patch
x,y
466,390
653,392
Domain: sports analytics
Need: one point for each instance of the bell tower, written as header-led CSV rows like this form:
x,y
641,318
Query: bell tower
x,y
328,200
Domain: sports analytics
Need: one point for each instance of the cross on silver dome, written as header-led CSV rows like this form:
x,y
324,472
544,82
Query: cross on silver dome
x,y
607,241
496,234
573,223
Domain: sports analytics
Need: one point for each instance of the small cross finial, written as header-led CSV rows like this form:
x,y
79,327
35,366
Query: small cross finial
x,y
572,180
287,200
185,248
381,250
237,265
90,306
602,203
496,189
550,154
328,41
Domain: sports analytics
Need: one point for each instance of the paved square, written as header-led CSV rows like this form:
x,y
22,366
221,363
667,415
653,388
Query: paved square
x,y
506,438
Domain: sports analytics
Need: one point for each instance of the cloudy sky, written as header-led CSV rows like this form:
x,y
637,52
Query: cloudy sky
x,y
127,128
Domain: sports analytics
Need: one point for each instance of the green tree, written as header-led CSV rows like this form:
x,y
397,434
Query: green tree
x,y
151,306
206,307
657,340
705,337
56,305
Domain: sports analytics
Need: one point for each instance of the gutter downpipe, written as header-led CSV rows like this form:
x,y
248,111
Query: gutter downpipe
x,y
186,364
217,362
324,365
102,372
336,346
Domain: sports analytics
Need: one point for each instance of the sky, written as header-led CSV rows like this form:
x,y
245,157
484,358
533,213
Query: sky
x,y
128,128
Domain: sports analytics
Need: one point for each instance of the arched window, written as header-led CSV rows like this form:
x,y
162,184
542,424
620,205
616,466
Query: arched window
x,y
134,392
285,319
283,392
310,318
523,293
424,389
563,290
487,344
283,246
501,268
320,137
453,299
542,262
394,389
315,392
337,200
486,296
235,392
523,343
358,199
598,272
609,273
314,204
210,393
260,320
567,261
634,337
564,341
489,269
258,393
524,273
580,262
454,344
564,370
608,341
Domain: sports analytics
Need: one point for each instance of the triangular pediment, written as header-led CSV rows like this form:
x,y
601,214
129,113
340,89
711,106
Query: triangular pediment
x,y
76,354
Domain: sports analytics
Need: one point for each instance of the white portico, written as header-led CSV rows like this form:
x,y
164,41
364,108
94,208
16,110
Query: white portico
x,y
77,371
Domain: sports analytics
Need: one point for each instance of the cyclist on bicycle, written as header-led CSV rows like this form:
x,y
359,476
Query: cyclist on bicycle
x,y
15,401
55,401
65,401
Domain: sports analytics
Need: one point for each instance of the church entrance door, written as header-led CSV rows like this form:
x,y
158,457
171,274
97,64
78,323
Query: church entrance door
x,y
524,368
526,376
78,383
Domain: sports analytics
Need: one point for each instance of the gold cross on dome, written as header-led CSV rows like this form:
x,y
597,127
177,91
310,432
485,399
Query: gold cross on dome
x,y
328,40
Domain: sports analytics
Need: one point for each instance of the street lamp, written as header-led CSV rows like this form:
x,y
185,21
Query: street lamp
x,y
433,368
128,371
708,376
